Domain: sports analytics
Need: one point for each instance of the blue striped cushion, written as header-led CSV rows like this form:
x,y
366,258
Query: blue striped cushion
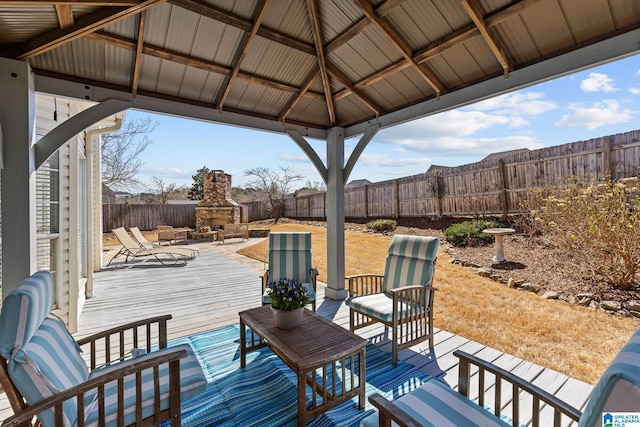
x,y
410,261
23,310
379,306
192,383
435,404
290,256
48,364
312,295
618,390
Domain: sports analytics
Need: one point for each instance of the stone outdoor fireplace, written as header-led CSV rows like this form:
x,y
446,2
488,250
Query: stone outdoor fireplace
x,y
217,208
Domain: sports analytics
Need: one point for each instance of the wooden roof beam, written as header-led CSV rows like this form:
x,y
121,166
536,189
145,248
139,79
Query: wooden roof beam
x,y
65,15
474,12
355,91
190,61
317,38
85,25
214,13
242,51
305,87
57,3
400,45
138,57
383,10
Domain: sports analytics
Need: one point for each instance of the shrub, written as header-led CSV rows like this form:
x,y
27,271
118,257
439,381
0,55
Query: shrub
x,y
469,233
382,225
598,224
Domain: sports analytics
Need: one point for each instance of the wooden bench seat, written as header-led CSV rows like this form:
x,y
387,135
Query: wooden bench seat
x,y
234,230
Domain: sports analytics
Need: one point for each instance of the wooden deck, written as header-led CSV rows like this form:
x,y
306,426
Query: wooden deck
x,y
210,291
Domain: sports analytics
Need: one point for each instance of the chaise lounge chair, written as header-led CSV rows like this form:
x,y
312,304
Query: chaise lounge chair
x,y
132,249
145,244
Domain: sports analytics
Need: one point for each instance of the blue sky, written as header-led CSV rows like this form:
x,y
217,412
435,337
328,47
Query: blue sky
x,y
601,101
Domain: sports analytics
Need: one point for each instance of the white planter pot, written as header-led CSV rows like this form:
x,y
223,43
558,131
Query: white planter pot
x,y
287,319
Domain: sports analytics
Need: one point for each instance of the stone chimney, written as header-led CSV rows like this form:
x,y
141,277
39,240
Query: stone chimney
x,y
217,208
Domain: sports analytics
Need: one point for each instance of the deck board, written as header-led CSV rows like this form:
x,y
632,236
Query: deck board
x,y
209,292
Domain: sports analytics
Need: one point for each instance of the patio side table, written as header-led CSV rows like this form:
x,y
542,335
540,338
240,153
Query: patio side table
x,y
317,350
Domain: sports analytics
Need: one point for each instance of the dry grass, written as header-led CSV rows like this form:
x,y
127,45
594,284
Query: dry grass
x,y
573,340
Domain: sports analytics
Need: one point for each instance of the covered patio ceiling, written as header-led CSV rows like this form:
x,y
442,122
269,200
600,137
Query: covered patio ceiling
x,y
313,65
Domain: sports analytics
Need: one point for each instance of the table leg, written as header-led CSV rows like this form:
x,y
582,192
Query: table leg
x,y
243,344
302,399
362,399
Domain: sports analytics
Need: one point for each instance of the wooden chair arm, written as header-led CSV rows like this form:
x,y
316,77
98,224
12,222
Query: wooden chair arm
x,y
79,391
518,384
405,289
265,280
364,284
126,335
388,412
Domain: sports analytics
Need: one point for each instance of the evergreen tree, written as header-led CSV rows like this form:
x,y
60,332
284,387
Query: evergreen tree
x,y
197,188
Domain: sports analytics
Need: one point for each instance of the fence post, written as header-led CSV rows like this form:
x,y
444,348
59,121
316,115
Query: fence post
x,y
397,198
366,201
606,158
503,188
438,196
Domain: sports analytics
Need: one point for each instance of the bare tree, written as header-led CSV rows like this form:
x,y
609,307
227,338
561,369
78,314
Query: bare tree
x,y
163,192
275,185
121,154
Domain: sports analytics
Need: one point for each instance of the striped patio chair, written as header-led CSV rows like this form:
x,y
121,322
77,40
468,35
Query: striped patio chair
x,y
290,256
615,401
402,298
44,374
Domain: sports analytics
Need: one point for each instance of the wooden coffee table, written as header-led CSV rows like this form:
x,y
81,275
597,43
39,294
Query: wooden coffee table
x,y
317,350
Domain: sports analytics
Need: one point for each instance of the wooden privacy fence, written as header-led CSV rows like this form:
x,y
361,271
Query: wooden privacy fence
x,y
148,217
496,185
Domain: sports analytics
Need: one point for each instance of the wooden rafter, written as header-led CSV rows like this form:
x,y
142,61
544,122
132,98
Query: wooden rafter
x,y
138,58
383,10
85,25
355,91
375,77
317,38
97,3
400,45
241,23
262,7
190,61
462,35
65,15
303,90
474,12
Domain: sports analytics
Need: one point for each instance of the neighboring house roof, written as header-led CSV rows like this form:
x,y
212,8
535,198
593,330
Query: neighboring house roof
x,y
506,153
358,183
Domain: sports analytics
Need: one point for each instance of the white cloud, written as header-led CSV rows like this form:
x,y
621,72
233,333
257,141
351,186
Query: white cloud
x,y
516,104
634,90
599,114
384,161
597,82
471,147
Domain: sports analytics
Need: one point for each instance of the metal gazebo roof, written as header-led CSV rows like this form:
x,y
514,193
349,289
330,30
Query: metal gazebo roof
x,y
309,65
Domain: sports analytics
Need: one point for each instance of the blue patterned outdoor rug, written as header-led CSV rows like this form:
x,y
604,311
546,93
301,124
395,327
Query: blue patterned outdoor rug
x,y
265,392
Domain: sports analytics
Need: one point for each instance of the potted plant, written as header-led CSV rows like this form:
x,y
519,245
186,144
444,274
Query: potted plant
x,y
288,298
